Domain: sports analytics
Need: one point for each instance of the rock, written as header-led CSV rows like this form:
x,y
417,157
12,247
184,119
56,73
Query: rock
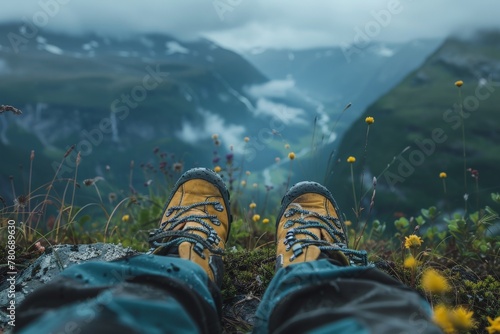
x,y
51,263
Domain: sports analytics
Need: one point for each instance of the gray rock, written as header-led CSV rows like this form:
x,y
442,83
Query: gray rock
x,y
51,263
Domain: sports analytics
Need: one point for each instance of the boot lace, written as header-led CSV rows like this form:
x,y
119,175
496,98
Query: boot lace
x,y
331,225
176,237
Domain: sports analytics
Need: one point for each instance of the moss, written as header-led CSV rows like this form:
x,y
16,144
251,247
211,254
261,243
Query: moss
x,y
483,296
247,272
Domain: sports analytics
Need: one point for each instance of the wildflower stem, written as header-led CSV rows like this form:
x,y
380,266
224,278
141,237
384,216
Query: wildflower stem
x,y
354,193
363,161
111,216
388,166
327,170
463,142
51,184
130,177
74,187
477,192
99,193
32,157
289,175
330,136
372,202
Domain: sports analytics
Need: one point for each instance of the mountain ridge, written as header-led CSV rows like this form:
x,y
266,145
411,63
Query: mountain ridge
x,y
418,125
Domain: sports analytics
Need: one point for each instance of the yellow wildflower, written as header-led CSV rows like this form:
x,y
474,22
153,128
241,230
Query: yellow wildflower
x,y
459,83
247,172
434,282
369,120
255,185
243,183
291,155
413,241
442,318
215,136
125,218
443,175
256,218
246,139
494,326
410,262
252,205
217,169
348,223
461,319
265,221
351,159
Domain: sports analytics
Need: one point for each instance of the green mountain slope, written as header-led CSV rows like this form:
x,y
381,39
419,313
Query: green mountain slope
x,y
418,131
162,90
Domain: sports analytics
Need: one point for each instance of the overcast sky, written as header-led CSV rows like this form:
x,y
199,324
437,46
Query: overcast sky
x,y
245,24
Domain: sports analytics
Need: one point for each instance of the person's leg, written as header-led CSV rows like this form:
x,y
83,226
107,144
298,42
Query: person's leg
x,y
173,289
139,294
317,289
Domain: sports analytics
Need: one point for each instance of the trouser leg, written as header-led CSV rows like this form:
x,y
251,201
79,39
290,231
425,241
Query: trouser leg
x,y
321,297
140,294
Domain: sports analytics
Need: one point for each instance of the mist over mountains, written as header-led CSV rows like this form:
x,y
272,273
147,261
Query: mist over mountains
x,y
123,99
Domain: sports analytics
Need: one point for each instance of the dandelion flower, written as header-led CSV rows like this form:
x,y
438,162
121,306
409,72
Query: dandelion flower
x,y
443,175
442,318
369,120
459,83
243,183
252,205
410,262
351,159
434,282
217,169
247,172
494,326
256,218
246,139
125,218
291,155
413,241
265,221
348,223
461,319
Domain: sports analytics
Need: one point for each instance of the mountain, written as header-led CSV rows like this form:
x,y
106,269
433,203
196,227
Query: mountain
x,y
336,76
418,132
117,100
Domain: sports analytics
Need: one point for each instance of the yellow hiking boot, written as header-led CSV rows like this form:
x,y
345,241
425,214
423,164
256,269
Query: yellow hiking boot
x,y
196,222
309,227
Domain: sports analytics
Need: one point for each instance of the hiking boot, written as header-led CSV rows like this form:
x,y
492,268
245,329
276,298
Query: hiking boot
x,y
309,227
196,222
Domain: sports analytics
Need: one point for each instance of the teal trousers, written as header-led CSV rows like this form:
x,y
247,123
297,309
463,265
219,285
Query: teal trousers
x,y
157,294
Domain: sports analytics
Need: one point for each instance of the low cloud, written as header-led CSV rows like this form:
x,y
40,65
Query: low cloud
x,y
272,88
263,23
287,115
229,134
